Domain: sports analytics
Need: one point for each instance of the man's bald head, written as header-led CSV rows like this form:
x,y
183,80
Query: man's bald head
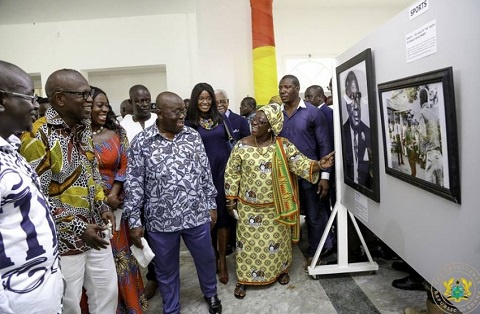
x,y
166,98
17,104
13,78
126,107
135,88
171,114
64,79
70,96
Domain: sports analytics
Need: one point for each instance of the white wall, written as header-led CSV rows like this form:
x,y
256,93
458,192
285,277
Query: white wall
x,y
323,32
426,230
154,78
212,45
105,44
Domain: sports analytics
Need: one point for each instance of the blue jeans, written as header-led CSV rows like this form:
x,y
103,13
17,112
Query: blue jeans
x,y
317,211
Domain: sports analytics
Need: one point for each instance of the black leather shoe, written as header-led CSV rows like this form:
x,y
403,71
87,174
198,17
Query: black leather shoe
x,y
408,283
214,305
402,266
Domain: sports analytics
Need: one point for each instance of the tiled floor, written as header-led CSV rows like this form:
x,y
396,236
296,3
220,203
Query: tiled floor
x,y
341,293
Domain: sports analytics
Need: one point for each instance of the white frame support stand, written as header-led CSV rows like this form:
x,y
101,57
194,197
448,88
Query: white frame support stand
x,y
342,265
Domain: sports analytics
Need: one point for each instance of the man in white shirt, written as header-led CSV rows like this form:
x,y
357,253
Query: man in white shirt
x,y
29,257
142,117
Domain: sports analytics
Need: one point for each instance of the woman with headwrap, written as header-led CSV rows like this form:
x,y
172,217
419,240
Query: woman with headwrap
x,y
261,190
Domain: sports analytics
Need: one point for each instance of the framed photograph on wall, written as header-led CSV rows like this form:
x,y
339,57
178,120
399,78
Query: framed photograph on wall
x,y
358,115
420,132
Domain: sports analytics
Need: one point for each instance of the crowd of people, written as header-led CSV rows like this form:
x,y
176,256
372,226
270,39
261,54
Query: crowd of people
x,y
78,189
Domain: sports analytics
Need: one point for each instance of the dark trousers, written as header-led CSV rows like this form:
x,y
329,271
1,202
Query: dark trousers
x,y
166,246
317,212
151,266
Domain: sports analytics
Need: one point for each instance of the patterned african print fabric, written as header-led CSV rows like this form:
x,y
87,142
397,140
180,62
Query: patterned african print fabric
x,y
64,160
264,246
285,191
169,181
112,160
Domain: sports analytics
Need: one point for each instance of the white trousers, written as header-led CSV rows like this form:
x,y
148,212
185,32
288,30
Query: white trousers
x,y
94,270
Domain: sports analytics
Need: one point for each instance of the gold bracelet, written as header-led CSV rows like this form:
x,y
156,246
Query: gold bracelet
x,y
320,165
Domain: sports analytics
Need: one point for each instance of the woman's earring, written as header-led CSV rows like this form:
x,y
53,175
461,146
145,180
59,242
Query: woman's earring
x,y
269,130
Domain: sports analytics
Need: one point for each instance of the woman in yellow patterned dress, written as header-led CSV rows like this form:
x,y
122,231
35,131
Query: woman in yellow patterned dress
x,y
260,186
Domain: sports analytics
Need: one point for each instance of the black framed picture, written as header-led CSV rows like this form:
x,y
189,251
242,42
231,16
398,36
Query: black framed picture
x,y
420,132
358,115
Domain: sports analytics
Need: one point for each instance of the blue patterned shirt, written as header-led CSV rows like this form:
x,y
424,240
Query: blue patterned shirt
x,y
169,181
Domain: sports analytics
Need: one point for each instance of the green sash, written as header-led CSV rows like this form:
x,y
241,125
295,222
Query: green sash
x,y
285,191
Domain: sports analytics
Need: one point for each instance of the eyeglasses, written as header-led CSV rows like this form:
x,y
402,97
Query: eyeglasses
x,y
355,96
178,113
32,98
259,122
84,95
222,102
208,99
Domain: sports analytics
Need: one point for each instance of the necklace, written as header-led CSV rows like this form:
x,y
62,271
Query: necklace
x,y
271,140
98,132
206,123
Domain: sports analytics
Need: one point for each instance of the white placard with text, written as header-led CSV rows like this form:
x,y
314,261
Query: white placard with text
x,y
421,42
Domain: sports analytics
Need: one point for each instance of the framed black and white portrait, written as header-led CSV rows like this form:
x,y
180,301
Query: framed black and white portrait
x,y
357,99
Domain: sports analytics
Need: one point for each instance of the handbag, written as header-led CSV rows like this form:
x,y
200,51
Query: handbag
x,y
230,140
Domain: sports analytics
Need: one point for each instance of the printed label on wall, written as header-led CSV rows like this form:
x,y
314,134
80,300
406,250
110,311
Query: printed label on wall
x,y
421,42
417,9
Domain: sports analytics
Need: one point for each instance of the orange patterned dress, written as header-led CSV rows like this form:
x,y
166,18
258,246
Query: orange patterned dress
x,y
112,160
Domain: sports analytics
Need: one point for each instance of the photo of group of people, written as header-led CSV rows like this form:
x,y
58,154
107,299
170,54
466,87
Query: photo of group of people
x,y
420,131
416,142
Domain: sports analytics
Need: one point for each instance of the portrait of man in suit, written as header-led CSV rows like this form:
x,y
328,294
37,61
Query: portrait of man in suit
x,y
357,149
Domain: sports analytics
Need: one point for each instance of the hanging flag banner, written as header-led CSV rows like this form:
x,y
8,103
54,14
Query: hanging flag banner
x,y
264,54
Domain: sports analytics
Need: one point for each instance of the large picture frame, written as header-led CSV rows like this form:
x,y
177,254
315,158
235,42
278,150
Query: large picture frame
x,y
420,132
358,116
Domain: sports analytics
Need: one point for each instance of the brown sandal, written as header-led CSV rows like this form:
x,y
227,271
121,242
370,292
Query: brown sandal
x,y
283,279
240,291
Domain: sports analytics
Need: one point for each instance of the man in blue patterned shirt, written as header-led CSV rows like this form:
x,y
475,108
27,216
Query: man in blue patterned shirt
x,y
169,181
31,279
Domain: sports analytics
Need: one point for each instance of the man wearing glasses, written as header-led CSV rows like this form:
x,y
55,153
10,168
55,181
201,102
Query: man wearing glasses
x,y
61,151
239,124
30,275
357,145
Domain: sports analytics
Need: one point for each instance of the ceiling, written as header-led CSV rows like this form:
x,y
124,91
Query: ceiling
x,y
36,11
